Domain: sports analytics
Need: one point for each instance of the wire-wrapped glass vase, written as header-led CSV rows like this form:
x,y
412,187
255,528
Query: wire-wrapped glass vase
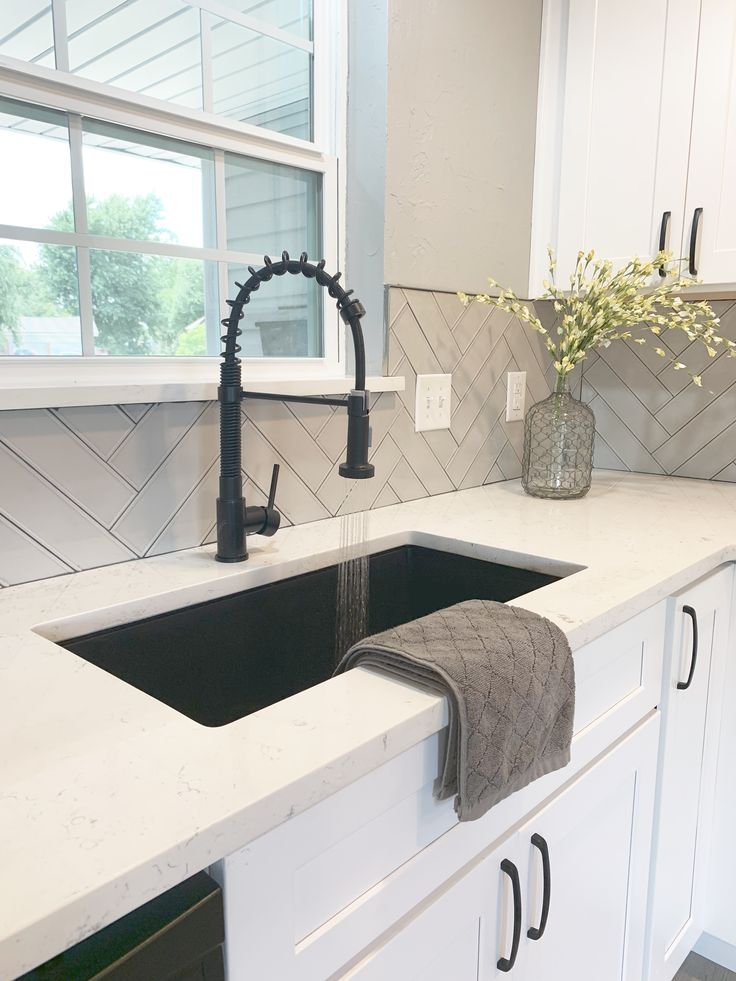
x,y
558,446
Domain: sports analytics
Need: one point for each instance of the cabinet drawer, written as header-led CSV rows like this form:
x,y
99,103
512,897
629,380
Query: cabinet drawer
x,y
316,890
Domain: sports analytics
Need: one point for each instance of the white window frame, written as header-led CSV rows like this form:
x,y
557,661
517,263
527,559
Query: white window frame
x,y
32,381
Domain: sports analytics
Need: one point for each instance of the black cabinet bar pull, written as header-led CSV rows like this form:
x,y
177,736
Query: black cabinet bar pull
x,y
666,215
684,685
536,933
694,240
506,963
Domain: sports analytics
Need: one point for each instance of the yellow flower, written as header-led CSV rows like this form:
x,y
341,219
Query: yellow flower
x,y
698,381
660,352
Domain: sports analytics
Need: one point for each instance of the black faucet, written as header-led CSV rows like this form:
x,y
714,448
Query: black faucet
x,y
235,521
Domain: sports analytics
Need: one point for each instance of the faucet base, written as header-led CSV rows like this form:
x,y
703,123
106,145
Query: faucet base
x,y
357,471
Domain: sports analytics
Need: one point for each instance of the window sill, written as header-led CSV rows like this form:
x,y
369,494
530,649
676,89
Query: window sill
x,y
41,383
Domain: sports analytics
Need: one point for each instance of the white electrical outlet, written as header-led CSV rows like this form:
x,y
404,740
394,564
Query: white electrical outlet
x,y
515,394
433,405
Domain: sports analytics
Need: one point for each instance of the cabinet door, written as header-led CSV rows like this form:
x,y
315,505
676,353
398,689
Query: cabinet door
x,y
628,82
461,932
720,915
697,618
712,176
598,837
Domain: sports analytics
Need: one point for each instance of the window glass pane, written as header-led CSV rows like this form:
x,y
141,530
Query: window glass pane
x,y
261,81
294,16
283,319
27,32
151,304
271,207
147,187
39,300
151,48
36,186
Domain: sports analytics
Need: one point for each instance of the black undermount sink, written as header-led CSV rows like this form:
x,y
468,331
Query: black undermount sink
x,y
221,660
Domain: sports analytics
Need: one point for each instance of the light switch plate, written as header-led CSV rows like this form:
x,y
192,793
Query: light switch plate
x,y
515,395
433,402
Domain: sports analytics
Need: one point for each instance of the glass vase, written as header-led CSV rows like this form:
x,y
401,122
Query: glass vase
x,y
558,446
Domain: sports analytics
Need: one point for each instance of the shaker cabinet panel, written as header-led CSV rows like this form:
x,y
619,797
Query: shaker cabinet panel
x,y
583,858
699,619
712,174
597,838
625,127
462,933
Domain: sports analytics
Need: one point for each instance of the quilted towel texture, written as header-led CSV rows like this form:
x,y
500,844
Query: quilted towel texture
x,y
509,679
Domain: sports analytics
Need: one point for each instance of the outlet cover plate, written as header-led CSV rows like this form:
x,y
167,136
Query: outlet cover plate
x,y
515,395
433,405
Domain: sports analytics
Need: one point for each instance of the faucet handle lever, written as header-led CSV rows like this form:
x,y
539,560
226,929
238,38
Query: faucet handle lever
x,y
264,521
274,484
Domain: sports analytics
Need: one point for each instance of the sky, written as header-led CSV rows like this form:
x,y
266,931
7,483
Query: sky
x,y
36,184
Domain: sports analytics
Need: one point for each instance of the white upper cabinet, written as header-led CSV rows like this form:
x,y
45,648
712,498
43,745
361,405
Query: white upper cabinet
x,y
629,72
711,181
612,146
636,135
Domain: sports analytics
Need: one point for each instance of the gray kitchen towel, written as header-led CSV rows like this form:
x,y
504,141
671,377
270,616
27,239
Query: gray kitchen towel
x,y
509,680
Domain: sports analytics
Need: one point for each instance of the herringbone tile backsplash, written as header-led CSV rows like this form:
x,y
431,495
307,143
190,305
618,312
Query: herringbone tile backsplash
x,y
88,486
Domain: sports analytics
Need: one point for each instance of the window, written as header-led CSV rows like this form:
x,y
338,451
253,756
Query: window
x,y
153,150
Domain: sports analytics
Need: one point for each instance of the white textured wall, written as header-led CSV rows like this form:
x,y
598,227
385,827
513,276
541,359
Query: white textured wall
x,y
462,93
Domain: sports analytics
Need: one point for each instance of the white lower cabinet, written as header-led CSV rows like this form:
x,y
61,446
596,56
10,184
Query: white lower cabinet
x,y
695,660
583,858
454,935
337,888
579,876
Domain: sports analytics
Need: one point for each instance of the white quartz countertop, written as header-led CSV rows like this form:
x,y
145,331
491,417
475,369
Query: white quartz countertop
x,y
108,797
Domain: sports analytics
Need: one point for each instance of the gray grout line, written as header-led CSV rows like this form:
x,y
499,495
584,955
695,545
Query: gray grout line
x,y
701,448
293,471
161,462
67,497
610,448
174,513
692,418
399,311
71,567
495,424
102,459
134,421
480,410
633,436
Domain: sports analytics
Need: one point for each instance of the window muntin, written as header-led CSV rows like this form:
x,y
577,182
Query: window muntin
x,y
217,211
136,225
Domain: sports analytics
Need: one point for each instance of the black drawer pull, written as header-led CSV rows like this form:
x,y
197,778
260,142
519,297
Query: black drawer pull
x,y
684,685
666,215
506,963
697,214
536,933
